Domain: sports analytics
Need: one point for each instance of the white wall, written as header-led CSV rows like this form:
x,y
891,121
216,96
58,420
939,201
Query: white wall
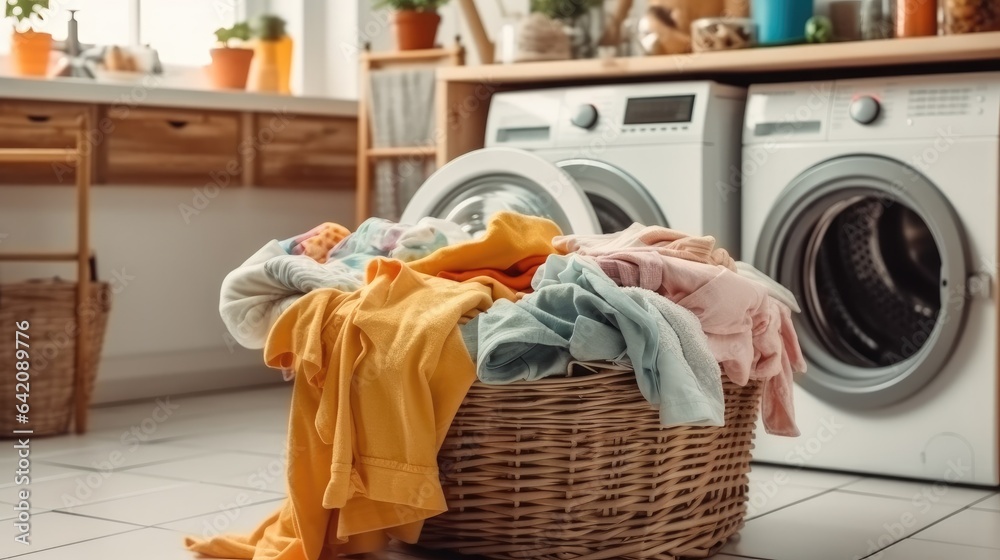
x,y
164,334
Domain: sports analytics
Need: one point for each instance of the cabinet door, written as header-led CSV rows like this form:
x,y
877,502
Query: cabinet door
x,y
306,151
153,146
34,124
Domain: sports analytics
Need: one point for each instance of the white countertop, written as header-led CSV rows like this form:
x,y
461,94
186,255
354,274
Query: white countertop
x,y
152,92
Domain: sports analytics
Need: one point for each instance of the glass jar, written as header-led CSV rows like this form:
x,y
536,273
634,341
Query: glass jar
x,y
970,16
916,18
876,19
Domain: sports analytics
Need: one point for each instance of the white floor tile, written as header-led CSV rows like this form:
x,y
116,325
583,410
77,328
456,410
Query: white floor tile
x,y
767,496
147,544
834,526
88,487
111,456
262,472
916,549
992,503
172,504
37,471
800,477
915,491
971,527
57,529
252,441
241,519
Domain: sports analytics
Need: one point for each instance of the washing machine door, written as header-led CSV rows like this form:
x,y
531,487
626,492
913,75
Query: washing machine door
x,y
878,260
618,199
469,189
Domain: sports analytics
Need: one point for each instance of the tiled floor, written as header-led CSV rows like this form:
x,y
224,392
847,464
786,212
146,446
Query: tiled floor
x,y
150,473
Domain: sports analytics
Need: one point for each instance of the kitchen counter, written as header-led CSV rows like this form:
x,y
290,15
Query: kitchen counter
x,y
152,92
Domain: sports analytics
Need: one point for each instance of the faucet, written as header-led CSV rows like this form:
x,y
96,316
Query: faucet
x,y
73,64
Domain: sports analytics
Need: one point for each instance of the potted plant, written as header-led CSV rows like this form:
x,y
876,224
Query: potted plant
x,y
230,60
272,62
415,21
29,49
581,19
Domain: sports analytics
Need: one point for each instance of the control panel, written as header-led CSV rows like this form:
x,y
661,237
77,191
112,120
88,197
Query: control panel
x,y
675,112
875,108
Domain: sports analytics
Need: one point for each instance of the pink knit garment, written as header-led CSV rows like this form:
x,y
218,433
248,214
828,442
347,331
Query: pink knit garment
x,y
749,333
663,241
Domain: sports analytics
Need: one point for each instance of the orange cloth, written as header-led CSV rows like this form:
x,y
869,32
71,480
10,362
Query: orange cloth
x,y
504,258
380,375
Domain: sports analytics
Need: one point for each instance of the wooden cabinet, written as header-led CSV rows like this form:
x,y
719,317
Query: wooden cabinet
x,y
35,124
151,146
157,146
295,151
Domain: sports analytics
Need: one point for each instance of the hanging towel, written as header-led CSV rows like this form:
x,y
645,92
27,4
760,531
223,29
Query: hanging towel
x,y
402,114
664,241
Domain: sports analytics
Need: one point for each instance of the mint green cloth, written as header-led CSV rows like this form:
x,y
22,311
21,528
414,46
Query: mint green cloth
x,y
578,313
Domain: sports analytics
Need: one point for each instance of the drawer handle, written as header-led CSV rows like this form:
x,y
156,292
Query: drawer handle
x,y
39,118
177,124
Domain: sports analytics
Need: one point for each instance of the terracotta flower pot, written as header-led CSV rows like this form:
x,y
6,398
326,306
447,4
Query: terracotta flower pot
x,y
230,67
29,53
415,30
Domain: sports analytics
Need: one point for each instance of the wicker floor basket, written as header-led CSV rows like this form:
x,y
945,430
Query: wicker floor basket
x,y
48,306
580,468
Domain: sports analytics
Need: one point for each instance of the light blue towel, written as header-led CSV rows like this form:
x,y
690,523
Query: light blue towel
x,y
575,313
690,380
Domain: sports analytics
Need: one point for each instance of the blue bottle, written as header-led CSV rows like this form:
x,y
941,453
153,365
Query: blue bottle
x,y
781,21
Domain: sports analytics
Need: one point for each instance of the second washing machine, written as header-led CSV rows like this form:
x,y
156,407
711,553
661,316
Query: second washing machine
x,y
597,159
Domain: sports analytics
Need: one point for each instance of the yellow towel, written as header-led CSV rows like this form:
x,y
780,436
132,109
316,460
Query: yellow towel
x,y
380,375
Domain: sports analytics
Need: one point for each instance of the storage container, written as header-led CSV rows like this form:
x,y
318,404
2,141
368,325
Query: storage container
x,y
916,18
580,468
49,307
970,16
781,21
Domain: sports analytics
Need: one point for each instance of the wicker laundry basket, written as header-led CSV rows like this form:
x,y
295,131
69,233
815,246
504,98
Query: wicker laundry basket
x,y
580,468
49,307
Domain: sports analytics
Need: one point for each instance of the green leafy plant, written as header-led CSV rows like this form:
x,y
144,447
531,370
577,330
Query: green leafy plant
x,y
411,5
239,31
564,9
269,28
26,12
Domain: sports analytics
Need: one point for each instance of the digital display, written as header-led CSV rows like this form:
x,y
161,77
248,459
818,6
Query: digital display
x,y
654,110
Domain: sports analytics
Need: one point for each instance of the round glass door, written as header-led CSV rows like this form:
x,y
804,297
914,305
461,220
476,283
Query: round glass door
x,y
877,258
476,185
619,200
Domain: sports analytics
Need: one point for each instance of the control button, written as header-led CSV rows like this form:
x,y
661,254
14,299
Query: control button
x,y
585,116
865,110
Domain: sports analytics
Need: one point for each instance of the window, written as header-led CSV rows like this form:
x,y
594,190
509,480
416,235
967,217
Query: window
x,y
181,30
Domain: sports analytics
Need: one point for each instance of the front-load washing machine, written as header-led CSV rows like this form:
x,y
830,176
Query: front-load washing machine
x,y
876,202
596,159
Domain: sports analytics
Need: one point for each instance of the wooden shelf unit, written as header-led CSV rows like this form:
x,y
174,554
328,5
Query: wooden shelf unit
x,y
464,93
449,57
80,157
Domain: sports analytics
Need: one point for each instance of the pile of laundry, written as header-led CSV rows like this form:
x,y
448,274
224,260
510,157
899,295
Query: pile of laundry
x,y
384,330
